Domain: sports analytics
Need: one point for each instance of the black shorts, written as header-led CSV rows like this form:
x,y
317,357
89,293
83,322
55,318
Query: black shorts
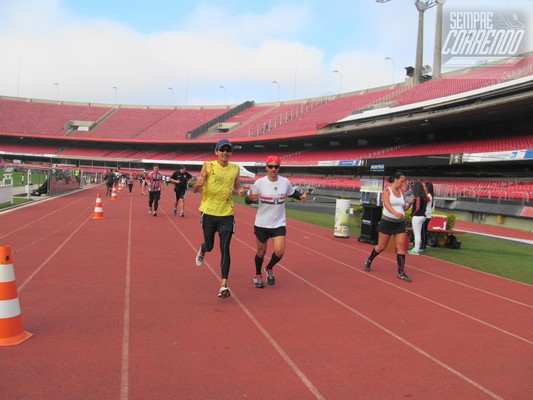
x,y
391,228
263,234
218,224
180,193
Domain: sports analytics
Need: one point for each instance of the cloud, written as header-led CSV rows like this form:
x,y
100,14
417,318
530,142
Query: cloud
x,y
43,43
88,57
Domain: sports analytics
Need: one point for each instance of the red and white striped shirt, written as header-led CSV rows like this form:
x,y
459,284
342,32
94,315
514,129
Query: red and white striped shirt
x,y
154,181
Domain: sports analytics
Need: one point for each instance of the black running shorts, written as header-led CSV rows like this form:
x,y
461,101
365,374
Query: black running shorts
x,y
263,234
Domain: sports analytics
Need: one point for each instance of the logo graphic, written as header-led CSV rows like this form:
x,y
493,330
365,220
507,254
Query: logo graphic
x,y
479,37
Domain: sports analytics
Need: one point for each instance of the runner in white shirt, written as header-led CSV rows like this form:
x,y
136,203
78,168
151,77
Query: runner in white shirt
x,y
270,192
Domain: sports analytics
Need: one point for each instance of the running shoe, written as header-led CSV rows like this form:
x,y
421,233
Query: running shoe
x,y
270,277
149,210
199,258
368,263
182,214
155,213
404,277
258,282
413,252
174,212
224,292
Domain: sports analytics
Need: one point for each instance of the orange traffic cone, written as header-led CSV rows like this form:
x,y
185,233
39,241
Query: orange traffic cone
x,y
98,210
11,330
120,186
114,194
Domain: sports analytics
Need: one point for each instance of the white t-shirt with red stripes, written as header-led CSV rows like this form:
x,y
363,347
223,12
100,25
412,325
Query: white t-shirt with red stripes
x,y
272,195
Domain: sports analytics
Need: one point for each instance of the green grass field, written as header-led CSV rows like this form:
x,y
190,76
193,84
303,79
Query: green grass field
x,y
37,178
16,201
498,257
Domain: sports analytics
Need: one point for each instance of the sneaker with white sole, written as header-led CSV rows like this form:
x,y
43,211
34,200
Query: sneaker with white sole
x,y
413,252
224,292
182,214
270,277
258,282
368,263
149,210
199,258
404,277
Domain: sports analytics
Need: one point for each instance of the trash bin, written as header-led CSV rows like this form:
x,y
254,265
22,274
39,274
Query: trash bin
x,y
369,223
342,217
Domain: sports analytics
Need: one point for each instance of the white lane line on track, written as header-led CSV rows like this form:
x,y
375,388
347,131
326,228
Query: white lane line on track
x,y
360,270
312,388
43,264
370,275
389,332
401,339
125,365
46,236
37,219
424,271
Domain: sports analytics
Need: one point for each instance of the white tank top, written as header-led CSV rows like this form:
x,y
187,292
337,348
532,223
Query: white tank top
x,y
397,203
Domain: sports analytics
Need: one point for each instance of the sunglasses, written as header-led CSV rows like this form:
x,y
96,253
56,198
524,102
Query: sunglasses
x,y
273,166
225,149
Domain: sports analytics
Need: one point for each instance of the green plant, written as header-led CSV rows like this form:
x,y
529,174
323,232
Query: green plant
x,y
358,213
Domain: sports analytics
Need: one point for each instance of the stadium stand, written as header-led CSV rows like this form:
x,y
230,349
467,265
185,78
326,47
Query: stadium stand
x,y
42,118
469,146
462,82
28,149
161,133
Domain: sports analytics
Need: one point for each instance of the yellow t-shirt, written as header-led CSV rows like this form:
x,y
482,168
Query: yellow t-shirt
x,y
218,188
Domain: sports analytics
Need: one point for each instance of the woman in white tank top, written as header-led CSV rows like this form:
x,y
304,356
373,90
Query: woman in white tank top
x,y
393,224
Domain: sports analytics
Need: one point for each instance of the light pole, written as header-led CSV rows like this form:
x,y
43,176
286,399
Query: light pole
x,y
340,79
277,83
421,6
393,66
57,91
222,87
437,51
171,95
116,94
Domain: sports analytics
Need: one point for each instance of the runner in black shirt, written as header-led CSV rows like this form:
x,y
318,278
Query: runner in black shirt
x,y
180,179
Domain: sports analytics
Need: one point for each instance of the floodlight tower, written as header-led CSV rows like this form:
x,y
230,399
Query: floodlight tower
x,y
437,51
421,6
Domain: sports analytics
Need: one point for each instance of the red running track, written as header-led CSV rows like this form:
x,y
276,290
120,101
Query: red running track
x,y
119,310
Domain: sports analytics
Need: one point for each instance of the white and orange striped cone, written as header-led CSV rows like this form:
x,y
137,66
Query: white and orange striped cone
x,y
114,194
120,186
98,209
11,329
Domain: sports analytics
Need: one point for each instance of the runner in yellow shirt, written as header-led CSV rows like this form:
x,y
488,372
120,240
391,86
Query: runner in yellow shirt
x,y
218,180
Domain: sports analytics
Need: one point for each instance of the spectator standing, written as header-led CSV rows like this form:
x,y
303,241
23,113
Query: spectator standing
x,y
180,179
418,215
270,192
218,180
429,211
154,181
392,224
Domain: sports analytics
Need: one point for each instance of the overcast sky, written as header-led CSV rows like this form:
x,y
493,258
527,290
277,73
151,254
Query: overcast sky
x,y
181,52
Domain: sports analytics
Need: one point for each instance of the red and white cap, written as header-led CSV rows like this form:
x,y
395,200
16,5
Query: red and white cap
x,y
273,160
